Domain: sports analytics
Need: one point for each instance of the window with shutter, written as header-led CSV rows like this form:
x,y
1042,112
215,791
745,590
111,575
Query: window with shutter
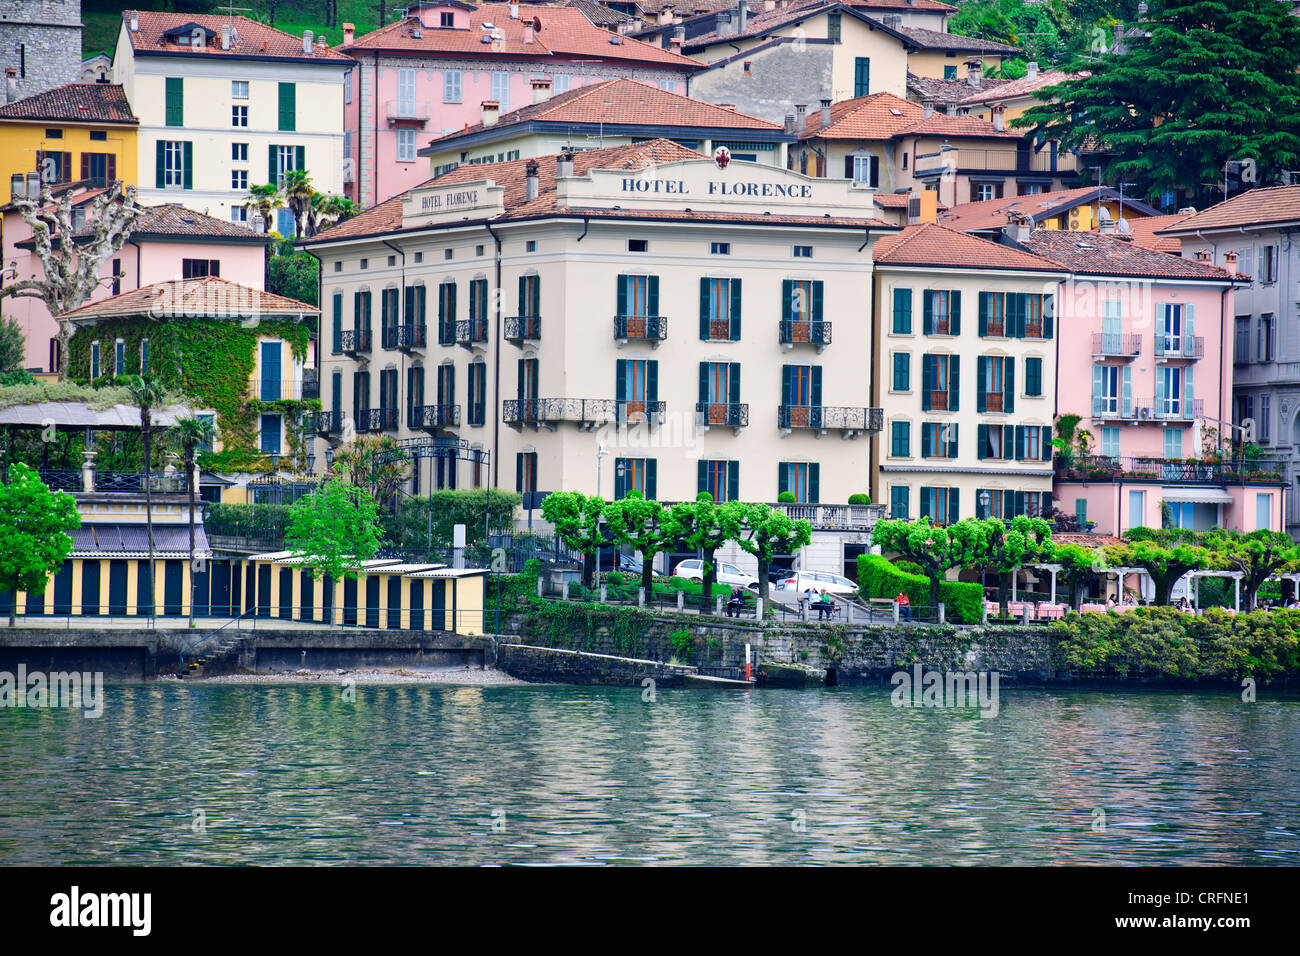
x,y
288,107
902,311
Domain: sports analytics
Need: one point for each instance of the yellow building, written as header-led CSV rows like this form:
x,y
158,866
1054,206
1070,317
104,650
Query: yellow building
x,y
73,132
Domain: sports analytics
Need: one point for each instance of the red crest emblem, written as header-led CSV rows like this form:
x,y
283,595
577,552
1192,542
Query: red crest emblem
x,y
722,156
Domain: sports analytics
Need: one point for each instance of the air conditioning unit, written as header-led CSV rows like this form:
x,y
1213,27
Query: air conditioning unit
x,y
1146,413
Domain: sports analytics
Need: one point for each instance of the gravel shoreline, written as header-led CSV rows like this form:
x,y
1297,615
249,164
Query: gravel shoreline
x,y
476,676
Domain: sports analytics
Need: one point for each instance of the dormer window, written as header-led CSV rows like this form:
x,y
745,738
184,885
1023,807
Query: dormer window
x,y
446,19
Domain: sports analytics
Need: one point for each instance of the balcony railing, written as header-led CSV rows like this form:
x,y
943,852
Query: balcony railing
x,y
732,415
1113,344
274,390
377,420
471,332
992,160
791,333
355,340
1111,409
130,481
1173,470
836,517
327,423
407,111
433,417
411,336
1180,346
649,328
519,328
824,417
938,400
992,401
586,412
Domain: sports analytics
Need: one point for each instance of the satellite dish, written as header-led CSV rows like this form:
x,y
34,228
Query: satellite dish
x,y
1123,227
1103,214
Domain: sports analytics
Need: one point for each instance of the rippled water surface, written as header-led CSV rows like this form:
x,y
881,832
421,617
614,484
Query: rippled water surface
x,y
543,775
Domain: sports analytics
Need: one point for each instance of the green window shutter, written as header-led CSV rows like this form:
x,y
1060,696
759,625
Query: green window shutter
x,y
952,505
1019,304
898,501
981,440
782,478
787,300
1020,443
733,383
901,370
701,476
519,389
652,295
925,502
927,310
954,315
175,108
705,286
1018,507
984,313
187,160
620,382
815,393
288,107
704,381
1033,376
735,310
817,296
927,439
160,180
652,381
273,166
1049,315
1126,390
954,390
981,382
523,295
733,481
338,321
1047,442
927,380
1189,392
622,295
814,483
1009,395
952,440
786,385
519,471
861,76
903,311
300,157
651,479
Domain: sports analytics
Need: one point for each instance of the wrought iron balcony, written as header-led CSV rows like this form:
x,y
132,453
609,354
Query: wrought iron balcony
x,y
519,328
587,413
1115,345
446,333
471,332
434,417
355,341
1179,346
1146,409
1104,468
274,390
851,421
732,415
648,328
792,333
412,336
377,420
328,423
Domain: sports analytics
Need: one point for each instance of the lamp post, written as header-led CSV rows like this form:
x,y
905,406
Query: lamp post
x,y
600,453
984,509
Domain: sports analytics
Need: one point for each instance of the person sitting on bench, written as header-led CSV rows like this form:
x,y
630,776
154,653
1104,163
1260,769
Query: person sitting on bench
x,y
735,603
825,607
904,606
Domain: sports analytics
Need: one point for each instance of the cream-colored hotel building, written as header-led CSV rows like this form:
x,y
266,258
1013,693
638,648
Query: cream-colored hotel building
x,y
640,317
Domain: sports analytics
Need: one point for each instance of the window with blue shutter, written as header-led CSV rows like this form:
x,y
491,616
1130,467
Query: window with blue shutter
x,y
902,311
175,104
861,76
1034,377
288,107
900,443
271,354
902,371
898,501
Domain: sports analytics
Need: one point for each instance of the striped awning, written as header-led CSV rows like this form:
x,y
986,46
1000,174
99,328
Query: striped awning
x,y
131,541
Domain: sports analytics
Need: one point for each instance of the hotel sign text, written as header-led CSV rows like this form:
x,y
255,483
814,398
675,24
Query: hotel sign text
x,y
679,187
449,201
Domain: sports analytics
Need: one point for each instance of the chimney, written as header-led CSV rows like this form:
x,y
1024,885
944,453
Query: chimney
x,y
974,72
541,89
789,122
742,16
11,84
135,22
1119,37
1031,70
563,165
665,15
349,34
33,185
1018,229
999,117
927,108
801,116
322,46
1230,260
491,112
530,30
675,44
225,36
826,113
514,10
306,41
1202,255
530,179
723,25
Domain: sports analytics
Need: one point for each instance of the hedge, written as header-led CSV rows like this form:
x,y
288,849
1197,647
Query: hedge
x,y
879,578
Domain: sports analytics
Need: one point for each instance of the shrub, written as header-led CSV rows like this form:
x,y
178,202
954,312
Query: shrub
x,y
859,499
880,578
908,567
683,643
786,498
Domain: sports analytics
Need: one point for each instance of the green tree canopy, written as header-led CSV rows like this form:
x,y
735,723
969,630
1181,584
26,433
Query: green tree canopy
x,y
638,523
767,532
1258,555
1008,547
34,526
1079,565
1215,81
935,549
577,521
334,529
705,526
1165,555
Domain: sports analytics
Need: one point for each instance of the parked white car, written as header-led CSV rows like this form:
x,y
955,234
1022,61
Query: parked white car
x,y
800,581
727,574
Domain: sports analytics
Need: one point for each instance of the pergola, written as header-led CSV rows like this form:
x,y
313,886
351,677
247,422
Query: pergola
x,y
1195,581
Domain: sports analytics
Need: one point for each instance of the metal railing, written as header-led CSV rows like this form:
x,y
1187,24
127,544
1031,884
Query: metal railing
x,y
1147,409
1180,346
274,390
648,327
792,332
1116,344
848,418
736,415
377,420
521,327
551,410
435,416
58,480
471,331
938,400
412,336
990,160
327,423
355,340
1239,471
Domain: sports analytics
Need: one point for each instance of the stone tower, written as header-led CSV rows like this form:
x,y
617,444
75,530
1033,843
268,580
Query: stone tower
x,y
40,45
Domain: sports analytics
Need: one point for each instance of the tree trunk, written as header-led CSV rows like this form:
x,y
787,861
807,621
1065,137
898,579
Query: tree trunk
x,y
647,572
934,596
710,572
764,570
588,568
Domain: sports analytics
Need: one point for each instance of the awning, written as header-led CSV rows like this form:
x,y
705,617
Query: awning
x,y
131,541
1209,496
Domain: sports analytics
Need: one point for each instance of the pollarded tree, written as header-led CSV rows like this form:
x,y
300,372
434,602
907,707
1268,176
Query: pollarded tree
x,y
767,532
1007,548
71,268
334,529
1258,556
1079,565
701,525
936,549
34,526
1164,562
577,520
638,523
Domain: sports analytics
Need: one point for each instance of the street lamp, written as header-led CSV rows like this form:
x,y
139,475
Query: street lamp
x,y
600,453
984,509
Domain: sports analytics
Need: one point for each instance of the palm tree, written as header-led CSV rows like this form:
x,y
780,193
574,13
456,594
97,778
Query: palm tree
x,y
190,435
296,187
336,209
147,395
264,200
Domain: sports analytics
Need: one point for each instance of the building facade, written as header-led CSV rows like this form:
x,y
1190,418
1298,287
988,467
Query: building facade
x,y
431,72
40,45
966,375
225,103
634,318
72,133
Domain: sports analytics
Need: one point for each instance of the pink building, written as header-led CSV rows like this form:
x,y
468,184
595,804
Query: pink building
x,y
447,65
169,242
1144,355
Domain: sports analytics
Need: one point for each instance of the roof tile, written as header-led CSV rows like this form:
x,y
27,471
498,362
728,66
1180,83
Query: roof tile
x,y
252,39
74,103
1255,207
210,297
1092,253
929,244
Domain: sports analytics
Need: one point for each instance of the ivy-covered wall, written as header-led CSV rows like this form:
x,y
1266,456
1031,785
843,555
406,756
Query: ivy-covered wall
x,y
212,361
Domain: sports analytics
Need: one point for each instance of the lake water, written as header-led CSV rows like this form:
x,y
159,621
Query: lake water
x,y
599,776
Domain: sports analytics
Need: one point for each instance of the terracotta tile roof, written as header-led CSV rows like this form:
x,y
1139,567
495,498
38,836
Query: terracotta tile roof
x,y
387,216
1092,253
616,102
172,219
1010,89
252,39
762,22
895,201
878,116
932,245
950,92
210,297
941,124
1143,230
1255,207
926,6
74,103
991,214
565,32
937,40
599,14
